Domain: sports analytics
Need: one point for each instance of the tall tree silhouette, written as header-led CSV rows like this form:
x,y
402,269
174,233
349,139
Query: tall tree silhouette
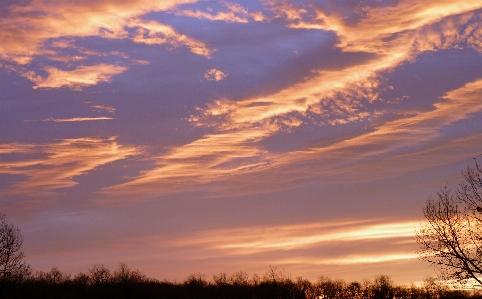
x,y
451,238
12,267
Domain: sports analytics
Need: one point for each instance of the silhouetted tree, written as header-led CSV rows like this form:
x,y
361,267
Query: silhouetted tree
x,y
124,275
99,275
451,238
54,276
12,266
354,290
305,287
330,289
432,288
221,280
383,288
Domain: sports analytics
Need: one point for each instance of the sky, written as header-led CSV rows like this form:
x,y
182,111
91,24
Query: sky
x,y
191,136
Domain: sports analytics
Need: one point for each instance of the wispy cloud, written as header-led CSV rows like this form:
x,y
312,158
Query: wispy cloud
x,y
206,159
109,109
31,31
55,165
74,119
234,13
154,33
28,26
76,79
377,28
353,259
215,75
293,240
335,95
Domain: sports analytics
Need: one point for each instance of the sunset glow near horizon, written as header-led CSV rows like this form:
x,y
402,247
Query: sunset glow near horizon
x,y
189,136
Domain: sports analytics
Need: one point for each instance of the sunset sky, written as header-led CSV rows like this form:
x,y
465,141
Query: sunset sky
x,y
185,136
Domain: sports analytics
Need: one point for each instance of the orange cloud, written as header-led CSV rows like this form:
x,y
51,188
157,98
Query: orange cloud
x,y
285,9
375,30
419,130
234,148
74,119
152,33
206,159
109,109
56,164
291,238
393,37
75,79
235,14
215,75
27,28
354,259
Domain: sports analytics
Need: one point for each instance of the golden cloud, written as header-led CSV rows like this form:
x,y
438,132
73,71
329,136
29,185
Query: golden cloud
x,y
234,149
27,28
206,159
75,119
77,78
109,109
152,33
215,75
354,259
290,238
235,14
55,165
384,26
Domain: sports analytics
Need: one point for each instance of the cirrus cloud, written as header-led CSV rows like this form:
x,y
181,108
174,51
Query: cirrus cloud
x,y
55,165
77,78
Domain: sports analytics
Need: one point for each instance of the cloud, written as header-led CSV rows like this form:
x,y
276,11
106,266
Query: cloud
x,y
394,34
53,166
16,148
109,109
336,96
200,161
75,119
39,29
322,88
295,241
215,75
393,148
285,9
76,79
354,259
28,26
380,26
235,14
153,33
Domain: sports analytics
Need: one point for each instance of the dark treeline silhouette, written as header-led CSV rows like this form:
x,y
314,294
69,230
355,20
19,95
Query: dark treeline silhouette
x,y
101,282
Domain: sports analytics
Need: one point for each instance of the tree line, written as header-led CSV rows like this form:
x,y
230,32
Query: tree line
x,y
123,282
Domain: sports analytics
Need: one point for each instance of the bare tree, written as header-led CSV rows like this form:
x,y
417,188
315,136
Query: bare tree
x,y
12,266
100,275
451,237
124,275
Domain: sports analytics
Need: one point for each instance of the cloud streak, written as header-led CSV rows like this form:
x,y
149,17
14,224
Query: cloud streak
x,y
55,165
75,119
28,28
291,240
234,13
215,75
76,79
154,33
335,97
